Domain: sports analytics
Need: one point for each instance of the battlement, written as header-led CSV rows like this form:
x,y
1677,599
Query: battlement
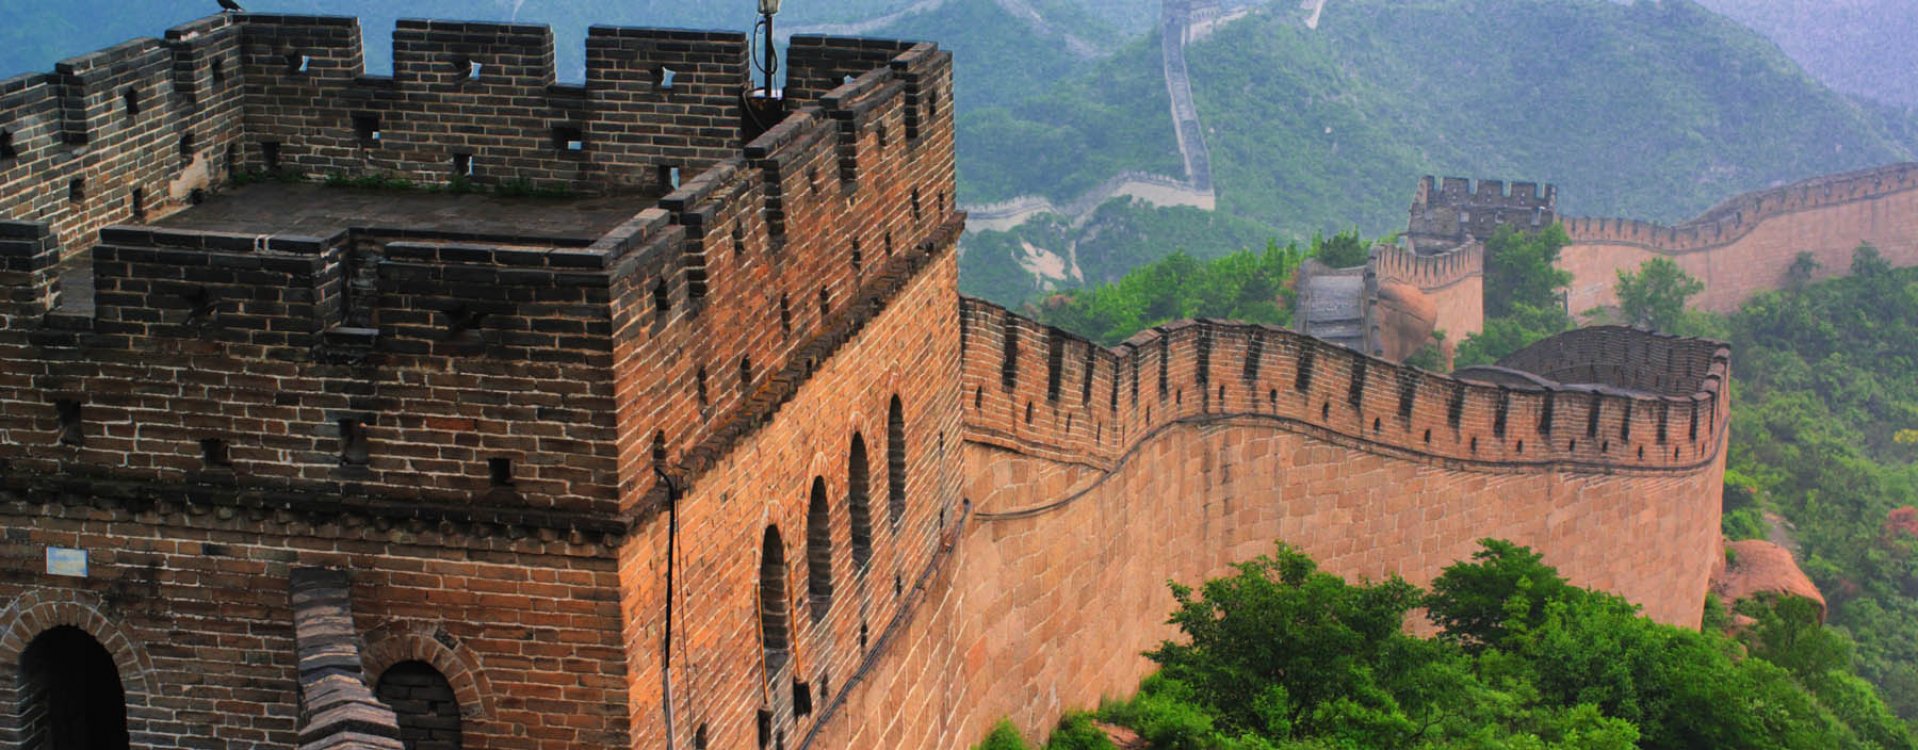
x,y
1459,191
1453,209
1631,400
1427,272
1735,218
450,349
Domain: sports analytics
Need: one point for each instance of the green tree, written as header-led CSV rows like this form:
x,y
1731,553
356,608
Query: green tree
x,y
1342,250
1521,270
1283,655
1654,296
1802,268
1249,286
1502,336
1523,302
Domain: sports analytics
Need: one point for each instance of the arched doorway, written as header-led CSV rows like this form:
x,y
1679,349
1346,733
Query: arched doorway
x,y
70,694
423,700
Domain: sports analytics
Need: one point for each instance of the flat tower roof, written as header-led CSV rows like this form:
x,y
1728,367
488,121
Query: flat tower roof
x,y
321,210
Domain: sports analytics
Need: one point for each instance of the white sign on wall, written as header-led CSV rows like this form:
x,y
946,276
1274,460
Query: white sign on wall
x,y
66,562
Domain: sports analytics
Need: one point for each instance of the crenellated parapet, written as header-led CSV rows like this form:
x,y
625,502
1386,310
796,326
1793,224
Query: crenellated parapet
x,y
481,102
124,134
535,355
1450,211
1751,243
1630,400
757,269
1427,272
1734,219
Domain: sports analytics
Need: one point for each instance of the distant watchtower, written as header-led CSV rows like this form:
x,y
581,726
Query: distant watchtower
x,y
1448,213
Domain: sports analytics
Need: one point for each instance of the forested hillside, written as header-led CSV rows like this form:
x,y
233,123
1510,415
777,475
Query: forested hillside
x,y
1649,110
1857,46
1825,432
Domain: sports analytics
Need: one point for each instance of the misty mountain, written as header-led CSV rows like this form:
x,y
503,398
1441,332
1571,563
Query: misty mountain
x,y
1859,47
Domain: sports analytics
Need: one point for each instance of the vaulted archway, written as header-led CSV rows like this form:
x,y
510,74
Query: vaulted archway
x,y
71,696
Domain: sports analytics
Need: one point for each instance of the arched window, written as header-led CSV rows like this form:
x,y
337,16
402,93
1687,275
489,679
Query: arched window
x,y
859,502
819,551
896,462
423,700
775,617
71,695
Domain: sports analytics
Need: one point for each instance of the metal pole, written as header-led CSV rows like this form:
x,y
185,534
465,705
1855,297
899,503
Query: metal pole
x,y
772,56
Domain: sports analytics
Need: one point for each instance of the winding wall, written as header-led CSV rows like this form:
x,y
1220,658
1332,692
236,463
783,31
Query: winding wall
x,y
1091,476
1194,190
1745,245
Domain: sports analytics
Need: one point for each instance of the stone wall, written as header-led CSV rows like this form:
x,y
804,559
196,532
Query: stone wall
x,y
191,595
843,290
743,472
653,101
124,134
1052,584
1745,245
1450,210
1454,283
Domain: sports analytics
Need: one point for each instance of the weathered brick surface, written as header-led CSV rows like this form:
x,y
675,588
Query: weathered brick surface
x,y
510,117
1745,245
1449,211
443,413
196,595
612,490
83,152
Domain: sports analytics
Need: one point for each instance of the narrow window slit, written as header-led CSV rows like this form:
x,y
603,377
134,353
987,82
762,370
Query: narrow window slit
x,y
569,138
215,453
354,447
71,430
367,128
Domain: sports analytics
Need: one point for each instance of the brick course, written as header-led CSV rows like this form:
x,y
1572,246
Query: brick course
x,y
548,468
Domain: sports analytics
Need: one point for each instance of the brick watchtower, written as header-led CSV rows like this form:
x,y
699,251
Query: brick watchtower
x,y
336,407
1451,212
464,408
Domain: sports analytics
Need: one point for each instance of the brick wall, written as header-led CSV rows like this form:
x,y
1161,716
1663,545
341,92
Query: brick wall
x,y
1745,245
842,293
156,117
1453,208
553,472
354,401
1454,282
1201,367
653,100
194,593
1051,584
